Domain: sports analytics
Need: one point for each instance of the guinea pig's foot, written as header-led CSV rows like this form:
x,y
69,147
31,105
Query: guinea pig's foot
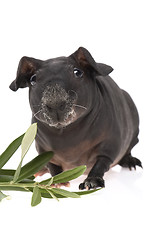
x,y
130,162
59,185
92,182
41,172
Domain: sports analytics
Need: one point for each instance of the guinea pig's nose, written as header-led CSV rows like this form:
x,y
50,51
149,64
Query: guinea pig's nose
x,y
49,107
62,106
57,106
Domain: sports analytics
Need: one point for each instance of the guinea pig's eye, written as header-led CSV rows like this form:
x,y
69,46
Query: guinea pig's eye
x,y
33,80
78,73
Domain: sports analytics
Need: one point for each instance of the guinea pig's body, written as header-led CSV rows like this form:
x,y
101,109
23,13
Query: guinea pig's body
x,y
82,115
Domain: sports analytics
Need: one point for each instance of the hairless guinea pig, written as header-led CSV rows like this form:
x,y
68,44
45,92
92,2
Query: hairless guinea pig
x,y
82,115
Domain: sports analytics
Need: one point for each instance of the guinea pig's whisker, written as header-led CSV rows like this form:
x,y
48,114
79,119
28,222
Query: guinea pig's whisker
x,y
36,105
37,113
80,106
46,116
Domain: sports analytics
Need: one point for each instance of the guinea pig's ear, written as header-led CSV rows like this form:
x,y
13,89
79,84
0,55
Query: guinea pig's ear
x,y
84,59
104,69
26,68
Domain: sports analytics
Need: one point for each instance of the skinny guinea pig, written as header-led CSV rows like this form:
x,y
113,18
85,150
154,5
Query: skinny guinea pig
x,y
82,115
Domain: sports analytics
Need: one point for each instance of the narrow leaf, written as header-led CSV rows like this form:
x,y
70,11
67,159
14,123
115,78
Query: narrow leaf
x,y
80,193
69,175
2,196
35,165
5,178
47,181
11,149
46,194
26,143
7,172
11,172
36,197
64,193
52,194
50,182
28,139
12,188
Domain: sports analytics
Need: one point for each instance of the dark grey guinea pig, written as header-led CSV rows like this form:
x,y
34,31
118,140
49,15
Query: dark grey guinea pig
x,y
82,115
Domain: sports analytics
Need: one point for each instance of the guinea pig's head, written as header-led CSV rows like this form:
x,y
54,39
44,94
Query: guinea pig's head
x,y
61,90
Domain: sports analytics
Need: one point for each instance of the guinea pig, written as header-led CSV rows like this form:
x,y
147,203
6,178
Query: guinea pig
x,y
82,115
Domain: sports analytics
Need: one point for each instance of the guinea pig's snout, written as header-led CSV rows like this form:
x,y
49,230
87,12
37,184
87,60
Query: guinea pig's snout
x,y
57,106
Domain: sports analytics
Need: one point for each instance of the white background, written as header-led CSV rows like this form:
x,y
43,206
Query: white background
x,y
124,34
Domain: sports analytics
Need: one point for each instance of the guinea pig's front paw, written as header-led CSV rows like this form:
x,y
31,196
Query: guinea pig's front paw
x,y
92,182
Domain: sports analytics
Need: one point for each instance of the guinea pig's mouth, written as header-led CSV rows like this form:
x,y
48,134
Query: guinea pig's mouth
x,y
53,120
68,119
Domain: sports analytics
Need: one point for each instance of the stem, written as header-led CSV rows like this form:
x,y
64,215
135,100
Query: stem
x,y
25,186
19,185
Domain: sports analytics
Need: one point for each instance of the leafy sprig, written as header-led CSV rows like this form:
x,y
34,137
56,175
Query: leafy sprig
x,y
22,179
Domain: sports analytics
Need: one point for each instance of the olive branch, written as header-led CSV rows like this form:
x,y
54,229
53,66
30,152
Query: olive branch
x,y
22,179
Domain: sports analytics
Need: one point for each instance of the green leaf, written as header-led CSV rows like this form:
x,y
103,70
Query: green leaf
x,y
47,181
8,178
65,176
5,178
52,194
13,188
69,175
80,193
45,194
35,165
28,139
2,196
26,143
11,172
11,149
36,196
8,172
64,193
50,182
